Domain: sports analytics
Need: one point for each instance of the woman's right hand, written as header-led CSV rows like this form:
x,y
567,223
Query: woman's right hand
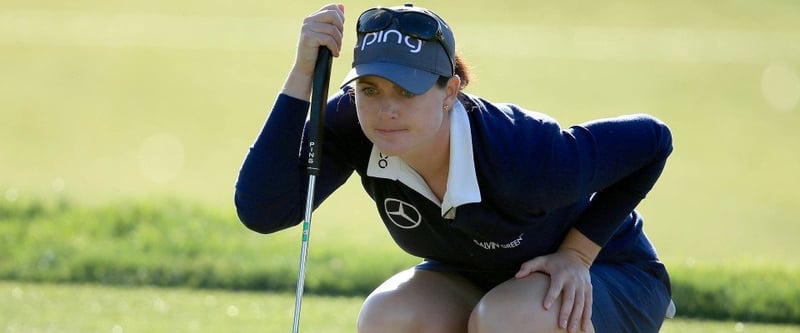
x,y
322,28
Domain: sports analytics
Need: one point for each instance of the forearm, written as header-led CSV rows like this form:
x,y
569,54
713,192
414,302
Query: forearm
x,y
270,183
630,154
610,207
298,84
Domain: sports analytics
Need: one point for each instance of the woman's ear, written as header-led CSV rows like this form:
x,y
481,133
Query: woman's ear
x,y
452,89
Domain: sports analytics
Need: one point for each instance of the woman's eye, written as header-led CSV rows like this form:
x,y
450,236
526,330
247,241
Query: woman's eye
x,y
369,91
407,93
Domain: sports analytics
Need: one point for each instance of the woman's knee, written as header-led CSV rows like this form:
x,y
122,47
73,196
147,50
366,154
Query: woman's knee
x,y
418,301
516,305
381,311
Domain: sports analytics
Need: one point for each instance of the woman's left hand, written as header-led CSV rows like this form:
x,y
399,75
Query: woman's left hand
x,y
570,279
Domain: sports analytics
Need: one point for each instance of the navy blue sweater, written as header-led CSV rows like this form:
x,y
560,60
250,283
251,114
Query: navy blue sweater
x,y
536,181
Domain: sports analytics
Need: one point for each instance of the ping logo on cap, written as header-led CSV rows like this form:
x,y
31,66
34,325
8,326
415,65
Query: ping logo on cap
x,y
383,36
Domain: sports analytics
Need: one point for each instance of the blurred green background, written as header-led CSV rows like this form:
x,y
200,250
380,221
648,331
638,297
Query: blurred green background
x,y
104,100
104,103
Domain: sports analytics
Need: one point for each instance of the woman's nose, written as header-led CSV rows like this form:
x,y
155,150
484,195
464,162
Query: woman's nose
x,y
388,109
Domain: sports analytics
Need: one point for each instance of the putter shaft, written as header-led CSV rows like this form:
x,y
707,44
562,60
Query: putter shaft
x,y
301,274
319,95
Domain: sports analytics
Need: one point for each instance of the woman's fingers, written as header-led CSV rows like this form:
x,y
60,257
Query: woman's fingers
x,y
575,318
556,289
587,310
317,37
324,27
580,312
568,300
528,267
569,280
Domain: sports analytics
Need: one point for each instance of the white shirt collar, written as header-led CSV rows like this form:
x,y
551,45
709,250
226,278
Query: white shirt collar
x,y
462,182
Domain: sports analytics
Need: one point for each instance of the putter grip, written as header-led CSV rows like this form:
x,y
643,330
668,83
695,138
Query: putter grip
x,y
319,99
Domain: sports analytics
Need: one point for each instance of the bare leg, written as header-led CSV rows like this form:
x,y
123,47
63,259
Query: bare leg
x,y
516,306
419,301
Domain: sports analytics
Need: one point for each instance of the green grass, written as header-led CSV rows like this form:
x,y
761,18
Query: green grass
x,y
53,308
167,242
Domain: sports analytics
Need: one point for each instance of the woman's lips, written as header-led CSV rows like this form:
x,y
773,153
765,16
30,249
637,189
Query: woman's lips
x,y
388,131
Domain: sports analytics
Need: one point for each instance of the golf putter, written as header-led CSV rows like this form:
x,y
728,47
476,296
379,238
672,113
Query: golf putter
x,y
319,96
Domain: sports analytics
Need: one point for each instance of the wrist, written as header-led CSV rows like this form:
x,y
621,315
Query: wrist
x,y
298,85
577,245
577,255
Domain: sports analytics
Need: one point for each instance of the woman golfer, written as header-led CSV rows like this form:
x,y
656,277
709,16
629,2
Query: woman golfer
x,y
524,226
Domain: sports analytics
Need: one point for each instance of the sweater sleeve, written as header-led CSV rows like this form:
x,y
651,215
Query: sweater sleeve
x,y
271,186
620,160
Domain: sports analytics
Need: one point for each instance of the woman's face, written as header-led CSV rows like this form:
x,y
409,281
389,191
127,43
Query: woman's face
x,y
397,122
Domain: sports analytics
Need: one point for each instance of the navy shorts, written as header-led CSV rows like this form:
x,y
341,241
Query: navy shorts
x,y
627,297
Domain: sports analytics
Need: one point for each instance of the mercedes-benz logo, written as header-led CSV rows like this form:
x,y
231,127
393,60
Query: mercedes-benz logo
x,y
402,214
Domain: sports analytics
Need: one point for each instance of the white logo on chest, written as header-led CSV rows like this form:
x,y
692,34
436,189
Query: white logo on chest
x,y
402,214
495,246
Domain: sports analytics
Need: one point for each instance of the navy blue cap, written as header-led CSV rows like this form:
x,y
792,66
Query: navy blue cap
x,y
410,63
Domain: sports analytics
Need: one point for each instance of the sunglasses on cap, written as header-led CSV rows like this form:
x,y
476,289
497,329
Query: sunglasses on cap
x,y
415,24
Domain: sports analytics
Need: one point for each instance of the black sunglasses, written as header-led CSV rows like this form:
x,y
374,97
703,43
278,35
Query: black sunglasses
x,y
415,24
